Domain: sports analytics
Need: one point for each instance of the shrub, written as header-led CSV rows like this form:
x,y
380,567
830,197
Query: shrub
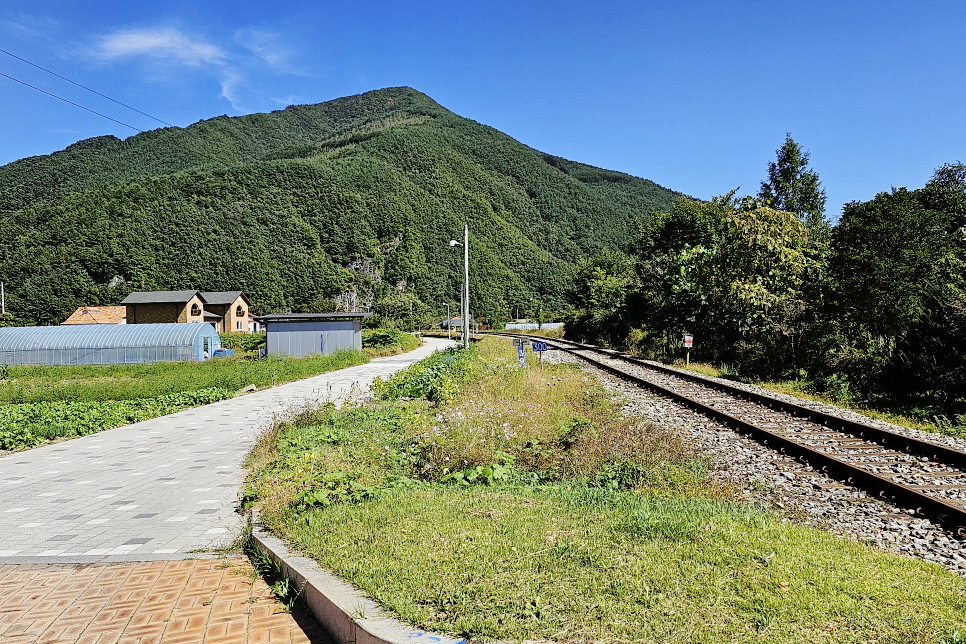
x,y
250,342
380,338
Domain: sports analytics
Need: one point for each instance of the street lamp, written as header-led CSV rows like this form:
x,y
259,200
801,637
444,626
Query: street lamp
x,y
449,322
465,314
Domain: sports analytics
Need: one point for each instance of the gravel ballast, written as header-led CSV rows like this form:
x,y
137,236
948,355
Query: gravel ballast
x,y
799,492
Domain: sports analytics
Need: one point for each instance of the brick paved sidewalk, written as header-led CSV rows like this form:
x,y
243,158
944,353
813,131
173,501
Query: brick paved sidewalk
x,y
197,601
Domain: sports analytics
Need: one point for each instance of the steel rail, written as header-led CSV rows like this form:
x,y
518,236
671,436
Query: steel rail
x,y
951,516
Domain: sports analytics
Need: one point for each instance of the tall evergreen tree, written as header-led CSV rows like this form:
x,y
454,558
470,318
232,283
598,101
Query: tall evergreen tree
x,y
794,187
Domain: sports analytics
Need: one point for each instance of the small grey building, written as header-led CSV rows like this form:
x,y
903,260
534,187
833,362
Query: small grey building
x,y
302,334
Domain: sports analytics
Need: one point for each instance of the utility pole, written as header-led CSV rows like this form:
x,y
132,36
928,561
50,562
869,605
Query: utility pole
x,y
465,294
466,284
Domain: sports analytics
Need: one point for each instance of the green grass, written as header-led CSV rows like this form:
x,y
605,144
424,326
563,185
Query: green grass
x,y
43,403
593,565
128,382
31,424
521,504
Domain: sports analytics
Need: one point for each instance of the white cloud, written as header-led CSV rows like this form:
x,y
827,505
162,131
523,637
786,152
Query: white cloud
x,y
25,26
161,42
264,44
231,82
236,65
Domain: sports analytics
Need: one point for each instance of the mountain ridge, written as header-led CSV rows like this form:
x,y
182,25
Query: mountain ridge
x,y
284,204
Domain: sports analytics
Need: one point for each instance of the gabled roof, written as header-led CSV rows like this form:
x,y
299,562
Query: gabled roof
x,y
161,297
97,315
222,298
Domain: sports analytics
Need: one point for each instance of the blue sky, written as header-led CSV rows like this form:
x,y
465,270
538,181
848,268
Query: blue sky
x,y
694,95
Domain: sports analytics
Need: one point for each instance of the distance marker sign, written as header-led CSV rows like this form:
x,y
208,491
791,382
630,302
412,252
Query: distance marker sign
x,y
538,346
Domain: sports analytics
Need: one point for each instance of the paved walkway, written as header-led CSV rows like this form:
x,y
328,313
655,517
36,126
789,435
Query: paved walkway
x,y
202,601
155,490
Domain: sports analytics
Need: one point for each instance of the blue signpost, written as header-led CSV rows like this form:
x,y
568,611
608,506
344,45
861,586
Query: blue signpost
x,y
539,347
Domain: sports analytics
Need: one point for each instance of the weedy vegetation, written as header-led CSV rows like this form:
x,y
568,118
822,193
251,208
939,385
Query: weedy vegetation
x,y
480,499
378,343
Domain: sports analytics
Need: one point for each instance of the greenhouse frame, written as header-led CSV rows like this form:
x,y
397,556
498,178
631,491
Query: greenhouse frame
x,y
107,344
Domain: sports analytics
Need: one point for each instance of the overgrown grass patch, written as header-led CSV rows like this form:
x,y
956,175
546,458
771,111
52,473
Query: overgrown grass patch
x,y
378,343
493,502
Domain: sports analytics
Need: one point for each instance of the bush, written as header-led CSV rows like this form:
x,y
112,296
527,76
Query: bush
x,y
437,378
250,342
381,338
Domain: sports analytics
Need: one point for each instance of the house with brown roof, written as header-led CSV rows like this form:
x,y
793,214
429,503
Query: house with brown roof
x,y
227,310
98,315
157,307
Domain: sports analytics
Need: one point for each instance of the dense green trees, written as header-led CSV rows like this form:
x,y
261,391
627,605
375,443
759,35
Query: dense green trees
x,y
875,306
346,203
898,269
601,309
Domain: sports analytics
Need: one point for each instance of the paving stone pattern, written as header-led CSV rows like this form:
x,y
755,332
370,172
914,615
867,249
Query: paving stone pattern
x,y
158,489
176,602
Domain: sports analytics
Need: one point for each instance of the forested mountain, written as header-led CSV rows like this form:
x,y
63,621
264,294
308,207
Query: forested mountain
x,y
350,201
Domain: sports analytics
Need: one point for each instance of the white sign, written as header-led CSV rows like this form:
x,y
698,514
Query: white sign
x,y
688,341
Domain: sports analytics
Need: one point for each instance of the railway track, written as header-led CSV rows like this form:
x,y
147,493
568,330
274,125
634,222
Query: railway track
x,y
913,474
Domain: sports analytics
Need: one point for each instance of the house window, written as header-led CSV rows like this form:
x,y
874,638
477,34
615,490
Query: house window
x,y
239,311
238,325
195,309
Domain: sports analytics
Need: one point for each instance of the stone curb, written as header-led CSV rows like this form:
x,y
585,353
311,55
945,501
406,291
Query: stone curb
x,y
349,616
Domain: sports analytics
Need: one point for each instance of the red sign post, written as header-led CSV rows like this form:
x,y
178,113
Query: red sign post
x,y
687,343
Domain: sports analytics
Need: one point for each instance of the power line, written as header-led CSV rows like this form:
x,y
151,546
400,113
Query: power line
x,y
71,102
85,87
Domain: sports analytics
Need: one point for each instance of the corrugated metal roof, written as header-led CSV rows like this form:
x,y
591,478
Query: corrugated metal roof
x,y
160,297
101,336
221,298
297,317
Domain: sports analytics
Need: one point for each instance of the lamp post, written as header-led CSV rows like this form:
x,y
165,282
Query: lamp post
x,y
465,314
449,322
